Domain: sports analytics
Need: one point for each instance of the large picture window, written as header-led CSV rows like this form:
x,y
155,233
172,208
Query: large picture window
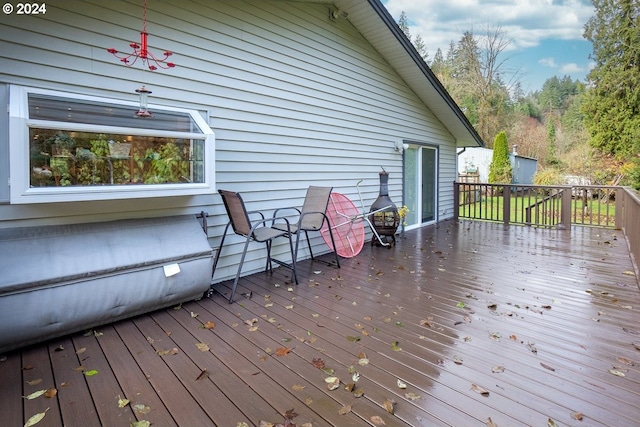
x,y
70,147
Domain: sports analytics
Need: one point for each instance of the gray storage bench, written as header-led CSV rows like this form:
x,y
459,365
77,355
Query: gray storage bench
x,y
55,280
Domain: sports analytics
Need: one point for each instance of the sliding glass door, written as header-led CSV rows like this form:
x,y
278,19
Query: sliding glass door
x,y
420,184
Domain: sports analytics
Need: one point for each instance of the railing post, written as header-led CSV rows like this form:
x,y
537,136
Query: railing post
x,y
620,196
456,201
506,204
565,209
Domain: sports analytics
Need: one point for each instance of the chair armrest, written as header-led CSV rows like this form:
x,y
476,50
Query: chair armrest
x,y
255,212
324,218
264,221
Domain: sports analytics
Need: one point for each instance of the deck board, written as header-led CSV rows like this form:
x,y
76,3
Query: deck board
x,y
557,310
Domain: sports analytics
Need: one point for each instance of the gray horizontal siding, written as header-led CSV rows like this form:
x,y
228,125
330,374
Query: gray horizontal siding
x,y
295,100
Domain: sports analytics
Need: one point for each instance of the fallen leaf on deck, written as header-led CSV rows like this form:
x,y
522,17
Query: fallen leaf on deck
x,y
90,373
318,363
626,361
388,405
616,372
35,382
204,374
141,423
363,361
35,394
490,423
289,307
35,419
532,347
376,420
59,348
194,315
122,402
298,387
629,273
457,360
492,306
401,385
353,339
51,393
483,391
209,325
495,336
545,366
202,346
282,351
551,423
412,396
141,409
461,305
288,417
349,387
497,369
396,346
332,382
344,410
577,416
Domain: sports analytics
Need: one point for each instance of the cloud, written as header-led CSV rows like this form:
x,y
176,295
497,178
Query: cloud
x,y
571,68
525,22
548,62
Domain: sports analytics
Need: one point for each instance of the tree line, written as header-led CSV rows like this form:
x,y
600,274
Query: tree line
x,y
590,128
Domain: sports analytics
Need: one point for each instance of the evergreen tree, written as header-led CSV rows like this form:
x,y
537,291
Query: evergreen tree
x,y
403,23
500,170
611,105
418,43
552,154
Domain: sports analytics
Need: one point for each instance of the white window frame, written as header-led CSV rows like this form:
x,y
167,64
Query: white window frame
x,y
21,191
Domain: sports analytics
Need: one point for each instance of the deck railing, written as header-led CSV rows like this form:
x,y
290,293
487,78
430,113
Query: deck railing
x,y
541,206
630,219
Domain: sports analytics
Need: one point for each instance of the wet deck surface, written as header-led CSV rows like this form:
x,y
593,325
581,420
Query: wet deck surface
x,y
457,325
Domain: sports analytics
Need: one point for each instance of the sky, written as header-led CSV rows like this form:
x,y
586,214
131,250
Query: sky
x,y
545,36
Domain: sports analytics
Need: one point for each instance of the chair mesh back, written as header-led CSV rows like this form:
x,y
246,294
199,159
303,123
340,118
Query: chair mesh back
x,y
238,216
316,200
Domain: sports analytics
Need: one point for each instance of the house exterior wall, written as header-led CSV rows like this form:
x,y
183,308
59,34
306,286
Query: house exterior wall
x,y
294,98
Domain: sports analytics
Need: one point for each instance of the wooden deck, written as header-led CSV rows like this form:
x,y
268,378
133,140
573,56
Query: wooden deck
x,y
481,325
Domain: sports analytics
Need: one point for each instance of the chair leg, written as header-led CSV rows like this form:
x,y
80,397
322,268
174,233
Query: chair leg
x,y
306,233
293,259
335,251
269,265
235,282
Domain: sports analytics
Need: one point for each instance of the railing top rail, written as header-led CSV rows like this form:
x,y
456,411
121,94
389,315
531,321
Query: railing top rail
x,y
606,187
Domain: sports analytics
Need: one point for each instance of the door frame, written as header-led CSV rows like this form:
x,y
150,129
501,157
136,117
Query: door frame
x,y
421,146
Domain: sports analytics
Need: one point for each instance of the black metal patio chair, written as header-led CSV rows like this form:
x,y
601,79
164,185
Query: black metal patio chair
x,y
311,217
257,231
